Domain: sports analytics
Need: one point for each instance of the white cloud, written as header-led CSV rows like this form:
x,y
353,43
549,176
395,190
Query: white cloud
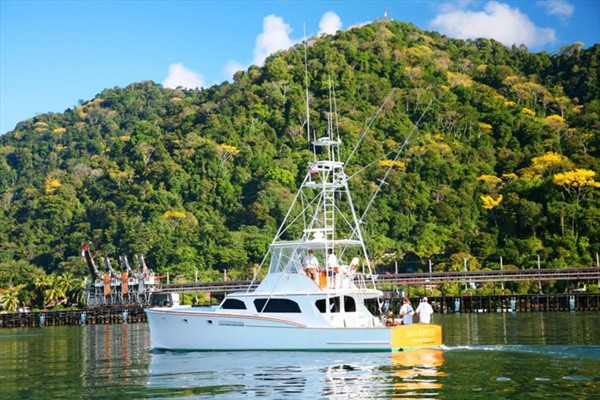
x,y
181,76
330,23
358,25
274,37
497,21
232,67
560,8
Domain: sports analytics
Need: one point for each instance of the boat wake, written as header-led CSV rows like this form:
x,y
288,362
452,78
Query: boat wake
x,y
556,351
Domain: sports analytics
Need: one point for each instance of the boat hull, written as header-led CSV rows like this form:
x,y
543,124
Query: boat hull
x,y
215,331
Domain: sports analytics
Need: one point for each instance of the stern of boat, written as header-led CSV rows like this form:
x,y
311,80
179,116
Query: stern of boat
x,y
416,336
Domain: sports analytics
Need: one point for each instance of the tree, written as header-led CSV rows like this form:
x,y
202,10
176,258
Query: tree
x,y
204,177
10,298
54,293
579,184
70,286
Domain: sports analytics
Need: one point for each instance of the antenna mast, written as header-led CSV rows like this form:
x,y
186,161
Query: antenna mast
x,y
306,88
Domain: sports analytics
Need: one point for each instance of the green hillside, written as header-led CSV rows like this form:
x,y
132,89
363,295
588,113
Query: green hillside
x,y
504,162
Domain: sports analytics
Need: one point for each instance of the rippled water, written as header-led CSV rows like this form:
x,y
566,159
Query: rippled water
x,y
517,356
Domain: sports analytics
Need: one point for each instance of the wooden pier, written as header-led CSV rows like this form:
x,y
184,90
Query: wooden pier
x,y
441,304
94,315
511,303
413,279
132,313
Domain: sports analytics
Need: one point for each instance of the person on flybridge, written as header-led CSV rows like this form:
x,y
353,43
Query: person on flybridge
x,y
332,268
310,263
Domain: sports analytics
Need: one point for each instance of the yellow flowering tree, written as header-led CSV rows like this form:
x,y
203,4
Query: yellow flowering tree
x,y
59,131
490,179
490,203
578,183
528,111
491,184
555,122
558,126
51,185
393,164
175,218
549,162
227,151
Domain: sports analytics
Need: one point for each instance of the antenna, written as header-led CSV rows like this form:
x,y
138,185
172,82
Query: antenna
x,y
306,88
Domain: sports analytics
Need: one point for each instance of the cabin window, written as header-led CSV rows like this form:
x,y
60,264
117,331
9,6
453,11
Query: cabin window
x,y
321,305
276,306
349,304
233,304
334,305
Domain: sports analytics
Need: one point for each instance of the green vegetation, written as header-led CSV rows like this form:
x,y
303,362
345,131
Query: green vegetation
x,y
503,164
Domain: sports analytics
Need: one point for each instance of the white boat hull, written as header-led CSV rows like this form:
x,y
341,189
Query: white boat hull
x,y
212,330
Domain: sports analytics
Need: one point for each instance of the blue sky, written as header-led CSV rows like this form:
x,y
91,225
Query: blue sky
x,y
54,53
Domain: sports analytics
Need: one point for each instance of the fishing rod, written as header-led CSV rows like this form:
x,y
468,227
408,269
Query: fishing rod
x,y
306,90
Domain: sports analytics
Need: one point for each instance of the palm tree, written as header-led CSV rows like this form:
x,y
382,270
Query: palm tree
x,y
41,283
10,298
54,293
78,293
71,286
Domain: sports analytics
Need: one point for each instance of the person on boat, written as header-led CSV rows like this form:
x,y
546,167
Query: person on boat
x,y
424,311
310,263
332,267
406,312
332,261
390,320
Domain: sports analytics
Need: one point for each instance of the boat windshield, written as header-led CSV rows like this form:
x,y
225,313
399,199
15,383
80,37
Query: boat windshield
x,y
295,257
285,259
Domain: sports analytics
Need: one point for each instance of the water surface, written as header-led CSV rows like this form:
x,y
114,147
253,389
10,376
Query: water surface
x,y
518,356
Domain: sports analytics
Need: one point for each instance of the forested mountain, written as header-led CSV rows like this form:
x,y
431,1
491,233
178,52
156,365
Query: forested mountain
x,y
503,162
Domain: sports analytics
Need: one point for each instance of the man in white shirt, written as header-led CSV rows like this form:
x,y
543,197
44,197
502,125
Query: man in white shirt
x,y
406,312
310,263
424,311
332,268
332,261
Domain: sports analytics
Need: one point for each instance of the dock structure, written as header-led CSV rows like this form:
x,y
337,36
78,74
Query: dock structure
x,y
549,302
118,288
129,306
412,279
90,316
108,314
485,276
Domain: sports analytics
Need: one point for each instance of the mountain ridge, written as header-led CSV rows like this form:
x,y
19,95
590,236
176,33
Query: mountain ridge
x,y
199,179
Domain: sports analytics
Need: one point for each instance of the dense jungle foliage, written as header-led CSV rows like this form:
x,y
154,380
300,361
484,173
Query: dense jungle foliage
x,y
502,164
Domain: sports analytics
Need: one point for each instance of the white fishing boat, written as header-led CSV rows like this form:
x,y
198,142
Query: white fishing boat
x,y
338,308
